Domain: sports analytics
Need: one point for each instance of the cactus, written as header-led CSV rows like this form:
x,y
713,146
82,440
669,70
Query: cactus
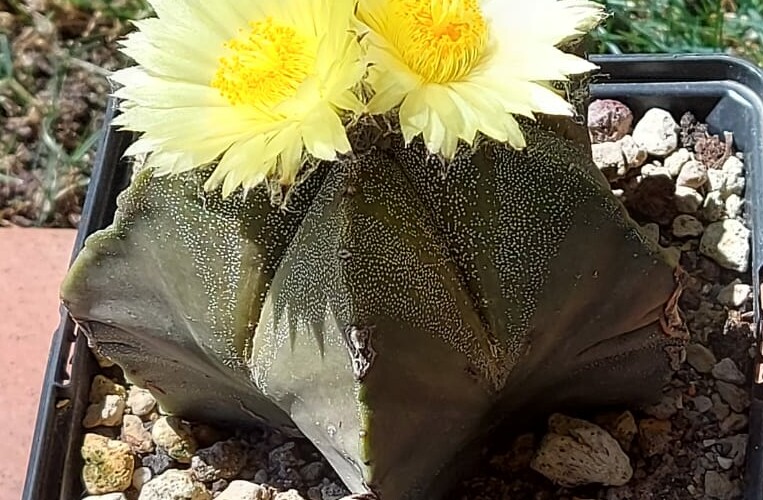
x,y
396,312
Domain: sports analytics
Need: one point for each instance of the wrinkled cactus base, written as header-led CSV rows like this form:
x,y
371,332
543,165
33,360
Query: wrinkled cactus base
x,y
396,312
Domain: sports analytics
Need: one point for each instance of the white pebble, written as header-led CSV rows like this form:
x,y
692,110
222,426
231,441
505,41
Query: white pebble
x,y
675,161
134,434
734,206
727,243
608,157
733,170
634,154
107,413
140,401
174,485
244,490
716,180
693,174
734,294
654,170
657,132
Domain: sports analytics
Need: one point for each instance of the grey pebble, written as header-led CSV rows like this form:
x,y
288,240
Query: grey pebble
x,y
158,462
735,422
725,463
333,491
218,486
312,472
720,409
737,398
702,403
141,476
283,456
734,447
686,225
726,370
700,358
222,460
651,231
718,486
261,476
713,206
666,407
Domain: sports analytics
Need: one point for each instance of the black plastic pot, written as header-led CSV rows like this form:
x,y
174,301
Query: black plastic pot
x,y
726,93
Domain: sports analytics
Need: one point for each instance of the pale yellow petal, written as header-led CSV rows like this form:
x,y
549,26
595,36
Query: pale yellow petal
x,y
146,90
515,136
414,115
244,160
324,135
185,122
348,101
510,76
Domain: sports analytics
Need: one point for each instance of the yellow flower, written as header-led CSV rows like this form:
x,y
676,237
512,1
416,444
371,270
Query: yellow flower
x,y
456,67
250,85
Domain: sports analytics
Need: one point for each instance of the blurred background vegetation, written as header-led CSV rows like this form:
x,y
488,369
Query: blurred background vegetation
x,y
699,26
56,55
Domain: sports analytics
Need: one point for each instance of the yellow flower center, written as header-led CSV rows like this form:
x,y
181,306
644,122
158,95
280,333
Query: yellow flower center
x,y
440,40
264,66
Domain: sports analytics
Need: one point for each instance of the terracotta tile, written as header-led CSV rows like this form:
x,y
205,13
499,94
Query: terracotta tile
x,y
32,264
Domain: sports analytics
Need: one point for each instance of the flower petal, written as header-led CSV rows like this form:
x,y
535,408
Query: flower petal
x,y
508,76
172,98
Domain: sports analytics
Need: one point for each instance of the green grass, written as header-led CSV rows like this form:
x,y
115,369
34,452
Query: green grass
x,y
676,26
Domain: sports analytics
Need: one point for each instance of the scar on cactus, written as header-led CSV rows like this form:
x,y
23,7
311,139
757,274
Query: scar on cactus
x,y
362,353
